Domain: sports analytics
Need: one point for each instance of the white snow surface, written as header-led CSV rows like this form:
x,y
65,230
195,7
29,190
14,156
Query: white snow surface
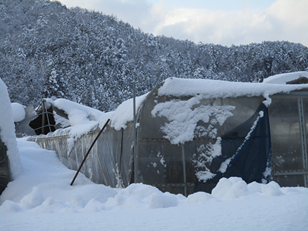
x,y
7,131
222,89
123,114
82,118
284,78
41,198
184,116
77,113
19,112
206,154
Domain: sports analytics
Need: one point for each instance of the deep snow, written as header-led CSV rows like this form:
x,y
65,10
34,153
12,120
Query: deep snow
x,y
41,198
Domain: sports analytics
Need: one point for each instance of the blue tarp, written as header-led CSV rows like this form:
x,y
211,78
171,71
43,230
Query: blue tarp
x,y
246,150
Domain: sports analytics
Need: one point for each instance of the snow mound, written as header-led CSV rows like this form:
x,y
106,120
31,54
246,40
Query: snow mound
x,y
235,187
200,198
7,131
33,199
19,113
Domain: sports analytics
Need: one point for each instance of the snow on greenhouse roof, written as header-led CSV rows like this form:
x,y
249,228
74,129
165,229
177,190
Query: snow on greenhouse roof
x,y
123,114
183,114
77,113
223,89
286,78
83,119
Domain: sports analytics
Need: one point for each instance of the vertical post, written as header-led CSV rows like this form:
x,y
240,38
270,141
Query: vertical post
x,y
47,114
184,170
302,126
43,117
135,141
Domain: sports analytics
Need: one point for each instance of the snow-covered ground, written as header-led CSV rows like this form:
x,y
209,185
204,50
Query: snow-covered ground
x,y
41,198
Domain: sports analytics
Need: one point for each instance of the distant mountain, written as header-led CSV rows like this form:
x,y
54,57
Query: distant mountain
x,y
47,50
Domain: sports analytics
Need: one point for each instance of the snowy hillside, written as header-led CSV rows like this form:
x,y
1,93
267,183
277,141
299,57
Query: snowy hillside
x,y
92,58
41,198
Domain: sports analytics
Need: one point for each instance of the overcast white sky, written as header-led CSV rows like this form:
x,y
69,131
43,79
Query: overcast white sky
x,y
224,22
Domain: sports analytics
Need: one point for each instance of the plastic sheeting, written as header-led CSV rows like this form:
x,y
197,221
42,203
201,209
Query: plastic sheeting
x,y
169,167
246,152
289,128
110,160
175,167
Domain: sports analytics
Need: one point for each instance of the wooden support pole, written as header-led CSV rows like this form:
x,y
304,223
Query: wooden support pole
x,y
84,159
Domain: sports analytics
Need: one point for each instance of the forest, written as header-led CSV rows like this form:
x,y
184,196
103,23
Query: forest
x,y
50,51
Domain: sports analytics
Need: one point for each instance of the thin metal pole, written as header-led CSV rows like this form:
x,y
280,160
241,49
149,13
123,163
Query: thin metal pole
x,y
135,141
84,159
47,114
43,117
303,138
184,170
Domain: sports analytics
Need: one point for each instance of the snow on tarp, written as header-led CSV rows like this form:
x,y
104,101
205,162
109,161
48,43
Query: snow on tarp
x,y
285,78
7,131
19,112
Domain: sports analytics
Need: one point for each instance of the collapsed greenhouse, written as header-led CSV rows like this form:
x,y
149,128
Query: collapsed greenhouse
x,y
189,134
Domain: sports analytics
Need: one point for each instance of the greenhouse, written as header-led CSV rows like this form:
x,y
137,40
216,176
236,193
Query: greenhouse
x,y
189,134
